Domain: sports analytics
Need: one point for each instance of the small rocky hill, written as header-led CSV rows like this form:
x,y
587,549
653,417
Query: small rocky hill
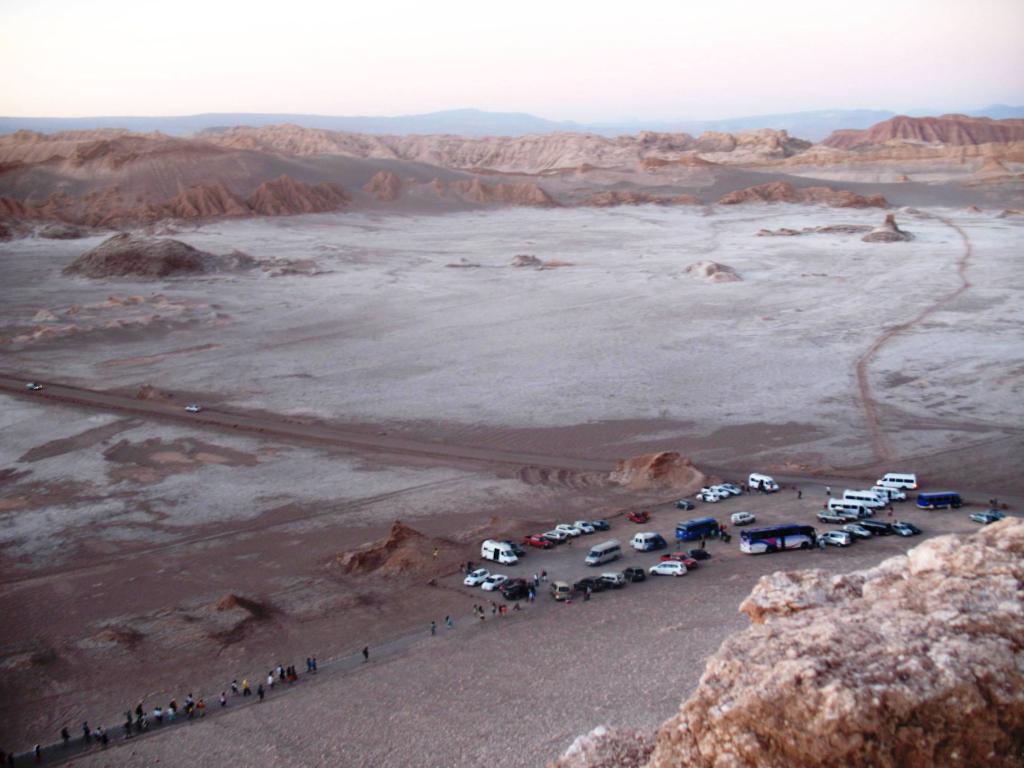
x,y
952,130
127,255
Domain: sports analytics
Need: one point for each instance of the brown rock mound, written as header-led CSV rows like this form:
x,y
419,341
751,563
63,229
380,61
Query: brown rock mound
x,y
204,201
127,255
525,193
888,232
605,748
713,272
405,551
784,192
256,609
954,130
658,471
614,198
385,186
284,197
62,232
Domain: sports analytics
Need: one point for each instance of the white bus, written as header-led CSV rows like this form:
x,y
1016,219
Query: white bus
x,y
869,499
775,538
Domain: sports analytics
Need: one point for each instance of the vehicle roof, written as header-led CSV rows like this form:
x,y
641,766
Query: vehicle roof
x,y
697,520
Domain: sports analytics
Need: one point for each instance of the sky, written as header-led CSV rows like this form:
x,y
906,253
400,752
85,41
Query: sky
x,y
560,59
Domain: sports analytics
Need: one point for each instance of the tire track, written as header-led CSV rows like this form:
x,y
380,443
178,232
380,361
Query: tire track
x,y
879,442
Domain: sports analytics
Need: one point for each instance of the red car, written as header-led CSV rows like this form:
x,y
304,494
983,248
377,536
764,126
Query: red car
x,y
639,517
536,540
681,557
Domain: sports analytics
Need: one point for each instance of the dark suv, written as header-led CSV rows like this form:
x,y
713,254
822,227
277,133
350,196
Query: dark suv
x,y
877,527
634,574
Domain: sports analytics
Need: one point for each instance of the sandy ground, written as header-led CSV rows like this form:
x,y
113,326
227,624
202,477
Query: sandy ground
x,y
120,535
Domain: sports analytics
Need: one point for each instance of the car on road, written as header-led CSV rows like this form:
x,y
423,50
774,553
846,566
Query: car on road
x,y
193,408
600,525
685,504
33,386
569,530
668,568
680,557
877,527
493,582
585,527
517,549
700,554
476,578
561,590
837,538
538,540
613,579
594,585
857,530
742,518
905,529
514,589
556,536
639,517
987,517
709,496
634,574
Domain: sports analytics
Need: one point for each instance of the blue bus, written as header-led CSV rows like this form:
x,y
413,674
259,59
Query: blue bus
x,y
939,500
774,538
695,530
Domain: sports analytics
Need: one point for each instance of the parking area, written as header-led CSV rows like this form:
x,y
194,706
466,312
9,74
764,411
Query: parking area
x,y
792,504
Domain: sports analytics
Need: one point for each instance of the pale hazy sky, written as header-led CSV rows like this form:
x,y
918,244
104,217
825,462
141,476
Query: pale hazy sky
x,y
561,59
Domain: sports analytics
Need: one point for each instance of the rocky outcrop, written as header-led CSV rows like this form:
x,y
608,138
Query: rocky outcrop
x,y
916,662
954,130
385,186
525,193
203,202
828,229
61,232
888,232
713,272
526,260
284,197
613,198
658,471
784,192
127,255
404,551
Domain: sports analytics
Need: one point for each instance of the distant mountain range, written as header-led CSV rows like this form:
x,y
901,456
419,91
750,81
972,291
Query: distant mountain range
x,y
814,126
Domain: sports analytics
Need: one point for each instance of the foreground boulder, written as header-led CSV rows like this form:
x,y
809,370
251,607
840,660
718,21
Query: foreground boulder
x,y
713,272
888,232
127,255
916,662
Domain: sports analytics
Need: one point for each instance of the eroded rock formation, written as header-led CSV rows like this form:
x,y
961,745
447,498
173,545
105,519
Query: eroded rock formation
x,y
612,198
955,130
784,192
663,470
887,232
385,186
127,255
713,272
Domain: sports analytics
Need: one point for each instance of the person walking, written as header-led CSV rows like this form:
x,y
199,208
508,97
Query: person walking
x,y
104,740
37,753
201,706
433,628
65,736
270,679
448,621
86,732
366,653
536,580
223,699
799,493
314,665
436,552
260,692
158,715
828,490
246,691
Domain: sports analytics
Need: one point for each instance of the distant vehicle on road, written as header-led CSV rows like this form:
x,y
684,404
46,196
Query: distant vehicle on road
x,y
600,525
697,529
668,568
939,500
775,538
493,582
905,529
555,536
585,527
560,590
837,538
732,488
903,481
639,517
193,408
569,530
603,553
858,530
988,516
759,482
889,494
613,579
648,541
685,504
499,552
869,499
680,557
634,574
742,518
34,386
476,578
708,495
537,540
877,527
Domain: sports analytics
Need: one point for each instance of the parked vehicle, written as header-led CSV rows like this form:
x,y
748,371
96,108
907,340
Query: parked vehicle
x,y
708,495
493,582
742,518
193,408
988,516
680,557
732,488
759,482
837,518
515,589
569,530
647,541
639,517
857,530
499,552
700,554
585,527
889,494
555,536
517,548
939,500
904,481
476,578
594,585
613,579
877,527
560,590
685,504
600,525
775,538
905,529
697,529
33,386
869,499
634,574
855,508
604,552
537,540
668,568
837,538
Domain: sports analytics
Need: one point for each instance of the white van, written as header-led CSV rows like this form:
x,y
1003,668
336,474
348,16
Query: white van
x,y
889,494
758,482
499,552
603,553
870,499
904,481
646,541
849,507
